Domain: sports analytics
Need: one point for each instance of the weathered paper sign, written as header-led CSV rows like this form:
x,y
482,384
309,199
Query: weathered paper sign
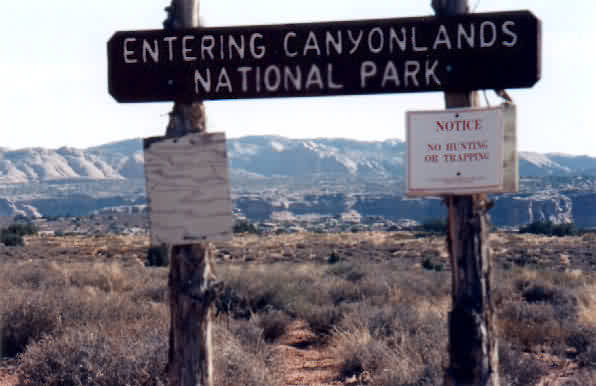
x,y
188,189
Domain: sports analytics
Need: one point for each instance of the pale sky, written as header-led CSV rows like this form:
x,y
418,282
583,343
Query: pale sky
x,y
54,75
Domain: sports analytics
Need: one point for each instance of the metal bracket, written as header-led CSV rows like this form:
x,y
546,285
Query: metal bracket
x,y
506,97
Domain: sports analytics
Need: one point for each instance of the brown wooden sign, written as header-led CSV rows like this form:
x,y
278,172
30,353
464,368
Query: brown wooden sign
x,y
467,52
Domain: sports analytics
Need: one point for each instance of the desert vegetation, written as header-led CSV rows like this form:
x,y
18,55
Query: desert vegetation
x,y
93,310
13,234
550,229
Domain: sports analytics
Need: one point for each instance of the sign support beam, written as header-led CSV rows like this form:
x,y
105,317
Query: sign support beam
x,y
192,278
473,347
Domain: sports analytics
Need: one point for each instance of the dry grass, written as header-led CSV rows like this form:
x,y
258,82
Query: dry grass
x,y
87,311
79,317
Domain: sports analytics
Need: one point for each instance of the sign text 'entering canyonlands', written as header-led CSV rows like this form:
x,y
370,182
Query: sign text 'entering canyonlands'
x,y
475,51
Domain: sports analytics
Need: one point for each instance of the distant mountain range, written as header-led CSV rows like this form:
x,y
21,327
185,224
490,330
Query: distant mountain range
x,y
256,157
275,177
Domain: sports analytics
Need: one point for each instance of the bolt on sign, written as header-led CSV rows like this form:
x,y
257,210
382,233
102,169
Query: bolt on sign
x,y
188,189
456,53
462,151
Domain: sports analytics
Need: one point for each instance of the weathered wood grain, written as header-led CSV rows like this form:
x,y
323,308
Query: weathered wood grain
x,y
473,344
510,160
188,189
192,282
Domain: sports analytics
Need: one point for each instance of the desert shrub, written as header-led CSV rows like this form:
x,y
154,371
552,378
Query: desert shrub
x,y
517,368
31,275
588,358
244,226
435,225
22,229
540,292
157,294
394,344
271,287
274,324
13,235
349,271
539,310
25,316
301,293
549,228
28,315
344,291
321,318
241,355
333,258
158,256
229,301
524,324
564,302
583,339
11,239
585,376
118,354
106,277
430,265
524,259
372,356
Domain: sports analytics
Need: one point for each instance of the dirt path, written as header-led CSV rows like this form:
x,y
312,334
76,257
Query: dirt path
x,y
563,376
8,379
303,363
7,373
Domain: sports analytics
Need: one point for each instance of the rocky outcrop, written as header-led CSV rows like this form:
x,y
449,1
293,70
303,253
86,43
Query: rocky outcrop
x,y
509,210
11,209
254,208
132,166
270,174
258,156
324,204
32,165
522,209
395,207
77,205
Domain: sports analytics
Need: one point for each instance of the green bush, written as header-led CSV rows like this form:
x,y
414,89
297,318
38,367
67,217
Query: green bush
x,y
333,257
550,229
274,324
157,256
428,264
22,229
245,227
13,235
435,225
11,239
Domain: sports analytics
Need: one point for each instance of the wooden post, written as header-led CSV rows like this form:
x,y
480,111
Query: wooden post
x,y
192,277
473,347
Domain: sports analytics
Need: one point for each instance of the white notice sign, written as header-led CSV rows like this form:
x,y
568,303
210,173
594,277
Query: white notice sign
x,y
188,189
456,151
